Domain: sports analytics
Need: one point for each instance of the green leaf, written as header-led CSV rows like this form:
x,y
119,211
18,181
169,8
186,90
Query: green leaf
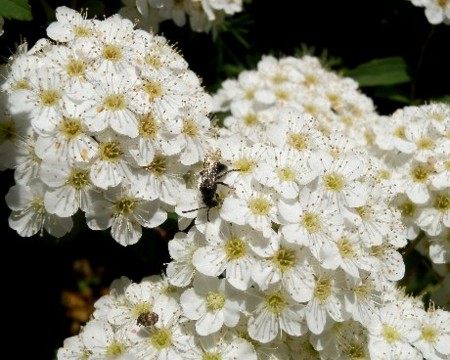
x,y
380,72
16,10
393,93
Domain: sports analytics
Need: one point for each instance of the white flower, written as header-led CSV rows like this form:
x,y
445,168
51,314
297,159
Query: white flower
x,y
72,349
70,25
285,171
181,270
271,312
114,103
436,217
362,298
440,248
254,205
70,187
340,179
112,164
43,99
161,179
29,217
212,303
221,345
101,340
344,340
350,254
392,331
327,301
166,339
125,214
139,299
69,140
228,252
295,130
288,264
434,340
309,221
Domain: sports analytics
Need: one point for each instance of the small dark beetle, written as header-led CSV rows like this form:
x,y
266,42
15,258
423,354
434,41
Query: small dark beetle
x,y
213,170
148,318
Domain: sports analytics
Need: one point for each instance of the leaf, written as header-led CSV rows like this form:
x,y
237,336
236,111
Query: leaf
x,y
393,93
380,72
16,10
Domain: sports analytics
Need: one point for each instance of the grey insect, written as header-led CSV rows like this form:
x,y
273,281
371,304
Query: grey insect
x,y
213,170
148,318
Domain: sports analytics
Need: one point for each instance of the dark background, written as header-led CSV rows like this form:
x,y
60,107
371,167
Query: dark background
x,y
37,269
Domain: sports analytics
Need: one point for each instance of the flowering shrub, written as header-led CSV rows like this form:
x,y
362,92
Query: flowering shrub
x,y
294,207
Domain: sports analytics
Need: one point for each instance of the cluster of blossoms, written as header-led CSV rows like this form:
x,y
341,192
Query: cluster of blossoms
x,y
294,252
436,11
299,260
203,15
106,121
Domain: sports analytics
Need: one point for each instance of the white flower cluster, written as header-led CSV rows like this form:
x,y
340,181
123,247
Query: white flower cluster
x,y
299,260
414,144
202,15
335,103
436,11
107,120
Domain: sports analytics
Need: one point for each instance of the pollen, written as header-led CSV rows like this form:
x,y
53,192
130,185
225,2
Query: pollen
x,y
189,127
71,128
82,31
442,203
153,60
49,97
363,291
249,94
110,151
75,68
298,141
115,349
21,84
282,95
286,174
79,178
334,182
235,248
429,334
346,248
161,339
259,206
141,308
365,212
400,132
250,120
125,206
390,334
211,356
323,289
275,303
425,144
215,301
114,102
245,165
284,259
158,166
148,127
311,222
112,53
407,209
153,90
421,172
